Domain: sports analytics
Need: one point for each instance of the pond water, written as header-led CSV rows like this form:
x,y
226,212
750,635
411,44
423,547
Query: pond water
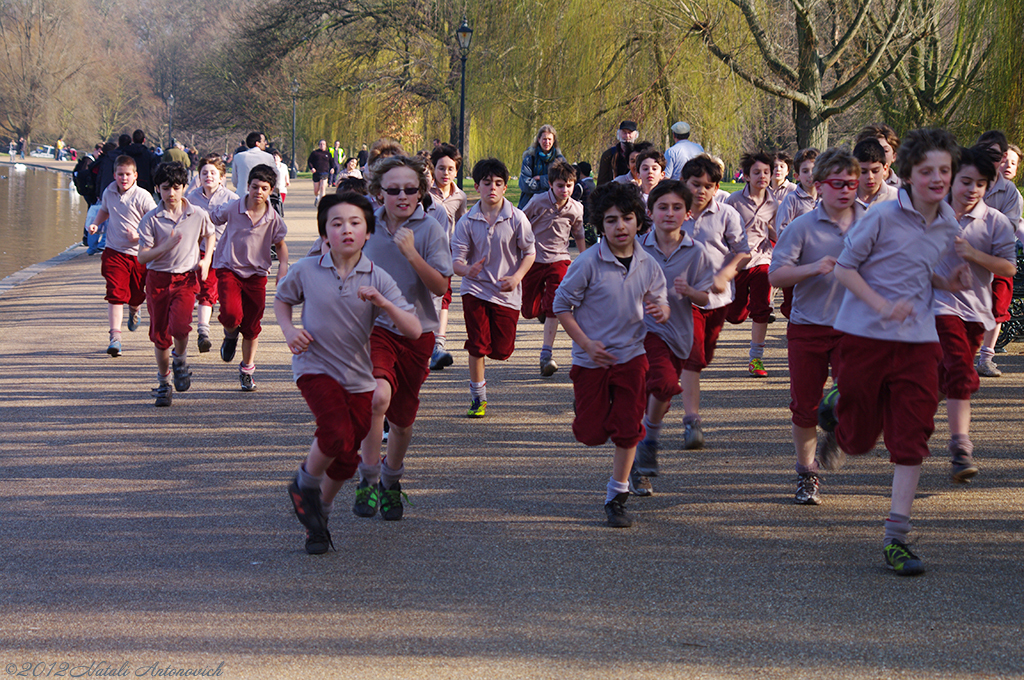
x,y
41,214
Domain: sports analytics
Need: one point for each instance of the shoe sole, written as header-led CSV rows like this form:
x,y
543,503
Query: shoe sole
x,y
548,371
113,351
204,347
809,501
964,476
442,363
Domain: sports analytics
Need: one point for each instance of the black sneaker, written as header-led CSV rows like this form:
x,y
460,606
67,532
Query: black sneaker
x,y
963,467
830,456
248,384
307,506
182,375
647,459
827,410
367,499
639,485
164,394
693,438
391,507
318,542
204,344
227,348
899,558
615,510
807,489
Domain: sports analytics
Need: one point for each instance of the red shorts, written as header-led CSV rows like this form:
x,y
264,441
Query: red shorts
x,y
242,301
664,369
610,403
446,301
126,278
342,421
1002,296
404,364
889,388
539,286
812,349
960,340
787,301
490,328
707,324
169,300
753,296
208,289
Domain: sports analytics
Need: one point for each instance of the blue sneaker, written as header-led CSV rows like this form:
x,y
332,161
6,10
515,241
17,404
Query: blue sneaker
x,y
114,348
134,316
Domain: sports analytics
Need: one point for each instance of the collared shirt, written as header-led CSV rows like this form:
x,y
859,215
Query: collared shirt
x,y
720,230
756,217
783,190
221,196
627,179
690,261
795,204
338,320
896,253
807,239
454,205
887,192
244,162
894,180
431,242
1005,197
607,300
125,210
193,224
552,226
502,246
244,247
677,155
989,231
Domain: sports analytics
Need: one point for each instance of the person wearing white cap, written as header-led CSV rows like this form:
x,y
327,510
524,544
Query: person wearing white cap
x,y
680,152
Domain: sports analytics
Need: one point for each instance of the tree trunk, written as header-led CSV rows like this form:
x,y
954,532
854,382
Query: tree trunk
x,y
811,129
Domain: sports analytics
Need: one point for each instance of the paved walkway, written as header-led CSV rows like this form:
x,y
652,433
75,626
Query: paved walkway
x,y
140,536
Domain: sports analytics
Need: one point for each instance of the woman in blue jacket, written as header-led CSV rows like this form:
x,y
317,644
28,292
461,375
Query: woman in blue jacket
x,y
533,177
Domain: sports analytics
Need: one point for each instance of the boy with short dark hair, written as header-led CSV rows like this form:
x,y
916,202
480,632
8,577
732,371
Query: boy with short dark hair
x,y
601,305
446,160
492,249
782,165
341,293
650,168
242,262
554,216
796,203
122,207
874,168
887,377
169,238
887,139
633,176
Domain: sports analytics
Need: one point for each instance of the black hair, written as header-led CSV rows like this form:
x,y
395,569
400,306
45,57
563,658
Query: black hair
x,y
783,155
350,197
747,161
489,167
869,151
353,184
669,186
139,137
173,173
585,168
124,140
625,197
980,157
252,139
263,173
916,145
702,165
997,137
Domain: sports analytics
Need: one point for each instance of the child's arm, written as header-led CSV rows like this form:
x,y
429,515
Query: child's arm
x,y
298,339
472,271
147,255
579,235
405,241
855,283
684,289
996,265
729,272
406,322
790,275
282,260
594,348
101,217
207,261
958,279
510,283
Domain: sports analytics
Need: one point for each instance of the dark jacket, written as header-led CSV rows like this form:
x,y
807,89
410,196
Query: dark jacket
x,y
145,163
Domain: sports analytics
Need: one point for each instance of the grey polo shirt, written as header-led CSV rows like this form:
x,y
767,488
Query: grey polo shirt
x,y
193,224
502,246
783,190
221,196
552,226
608,301
719,229
244,247
796,203
887,192
989,231
454,206
431,243
807,239
338,320
689,260
1004,197
896,253
756,218
125,210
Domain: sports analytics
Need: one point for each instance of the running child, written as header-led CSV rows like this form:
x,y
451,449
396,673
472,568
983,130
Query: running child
x,y
446,161
169,246
874,168
554,216
122,207
690,274
342,293
208,195
492,249
601,305
756,206
798,202
782,166
242,262
650,167
718,227
986,243
887,379
803,260
887,138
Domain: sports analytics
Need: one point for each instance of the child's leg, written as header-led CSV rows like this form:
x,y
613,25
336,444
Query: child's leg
x,y
163,360
249,346
550,331
690,381
115,315
204,315
622,463
959,414
370,448
805,440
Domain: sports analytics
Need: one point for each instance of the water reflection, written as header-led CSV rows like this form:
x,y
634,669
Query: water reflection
x,y
41,214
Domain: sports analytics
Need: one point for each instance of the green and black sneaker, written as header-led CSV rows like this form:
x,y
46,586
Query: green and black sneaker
x,y
391,507
367,499
899,558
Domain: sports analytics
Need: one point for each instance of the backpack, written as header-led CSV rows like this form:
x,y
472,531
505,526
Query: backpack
x,y
85,179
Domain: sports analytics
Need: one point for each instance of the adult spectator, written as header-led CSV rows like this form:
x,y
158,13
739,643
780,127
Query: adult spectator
x,y
176,154
680,152
320,163
615,161
533,176
363,156
245,161
145,160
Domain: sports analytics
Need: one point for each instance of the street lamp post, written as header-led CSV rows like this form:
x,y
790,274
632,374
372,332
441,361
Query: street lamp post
x,y
294,169
170,121
465,37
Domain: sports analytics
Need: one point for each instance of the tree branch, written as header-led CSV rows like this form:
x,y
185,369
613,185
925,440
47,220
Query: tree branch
x,y
837,52
777,66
